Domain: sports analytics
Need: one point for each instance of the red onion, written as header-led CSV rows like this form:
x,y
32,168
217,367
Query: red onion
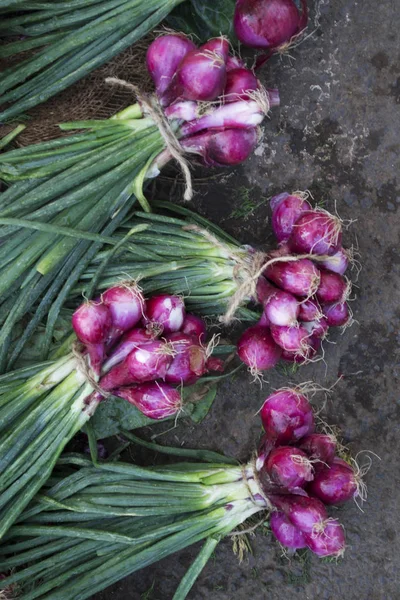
x,y
234,62
219,45
200,76
337,263
329,541
286,533
319,446
308,352
126,305
189,362
147,362
227,147
307,514
163,57
282,309
337,314
300,277
291,339
238,83
289,467
318,328
264,321
332,288
287,416
194,326
155,400
215,364
243,114
286,209
131,340
264,290
316,232
310,310
185,110
166,312
335,484
268,23
257,349
92,324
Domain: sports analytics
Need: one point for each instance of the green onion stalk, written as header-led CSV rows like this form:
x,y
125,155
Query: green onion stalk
x,y
179,252
42,406
102,523
70,38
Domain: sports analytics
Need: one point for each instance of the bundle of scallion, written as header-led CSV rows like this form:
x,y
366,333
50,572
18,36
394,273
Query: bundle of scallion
x,y
100,524
143,353
71,38
93,526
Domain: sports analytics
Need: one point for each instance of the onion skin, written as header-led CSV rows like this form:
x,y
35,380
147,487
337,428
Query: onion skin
x,y
132,339
219,45
238,83
92,324
163,57
319,446
264,290
287,416
313,345
234,62
307,514
166,311
300,277
147,362
332,288
337,263
126,305
201,77
289,467
266,24
194,326
328,542
155,400
257,349
285,532
282,309
318,328
223,147
286,209
310,310
334,484
336,314
189,362
292,339
316,232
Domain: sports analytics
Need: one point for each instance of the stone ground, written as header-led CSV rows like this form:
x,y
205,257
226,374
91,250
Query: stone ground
x,y
337,135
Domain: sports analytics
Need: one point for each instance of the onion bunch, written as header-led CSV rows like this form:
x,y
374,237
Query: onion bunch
x,y
307,473
101,523
67,196
302,288
42,406
71,39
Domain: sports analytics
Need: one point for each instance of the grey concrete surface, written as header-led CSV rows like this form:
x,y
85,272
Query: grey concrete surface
x,y
337,135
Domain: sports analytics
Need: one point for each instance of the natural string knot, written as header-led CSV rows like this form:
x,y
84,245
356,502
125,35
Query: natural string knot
x,y
152,107
86,371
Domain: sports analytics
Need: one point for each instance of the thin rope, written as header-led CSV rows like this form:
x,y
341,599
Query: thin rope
x,y
86,371
152,107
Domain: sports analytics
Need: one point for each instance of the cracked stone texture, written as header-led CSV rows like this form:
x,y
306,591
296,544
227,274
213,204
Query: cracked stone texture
x,y
337,135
